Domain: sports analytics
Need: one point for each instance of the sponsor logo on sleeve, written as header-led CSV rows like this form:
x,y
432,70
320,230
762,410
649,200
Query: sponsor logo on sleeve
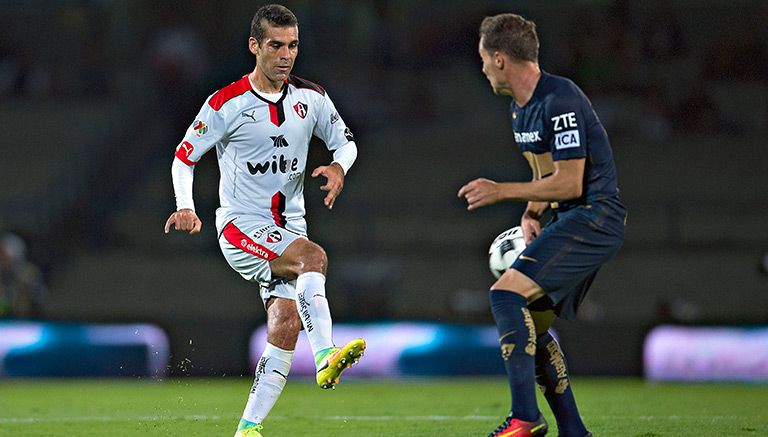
x,y
334,117
348,135
566,133
301,109
564,121
199,127
567,139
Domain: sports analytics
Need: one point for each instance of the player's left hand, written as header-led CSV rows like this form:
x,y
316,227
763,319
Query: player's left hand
x,y
334,184
480,192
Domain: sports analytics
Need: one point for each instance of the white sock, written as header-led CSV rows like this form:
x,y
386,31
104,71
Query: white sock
x,y
314,311
270,377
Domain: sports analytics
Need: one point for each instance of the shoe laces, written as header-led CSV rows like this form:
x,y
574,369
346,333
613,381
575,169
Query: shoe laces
x,y
501,427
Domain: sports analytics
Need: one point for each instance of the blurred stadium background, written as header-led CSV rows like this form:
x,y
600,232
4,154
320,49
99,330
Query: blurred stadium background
x,y
95,95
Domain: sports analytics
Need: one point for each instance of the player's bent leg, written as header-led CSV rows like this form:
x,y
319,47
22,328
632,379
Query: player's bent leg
x,y
308,262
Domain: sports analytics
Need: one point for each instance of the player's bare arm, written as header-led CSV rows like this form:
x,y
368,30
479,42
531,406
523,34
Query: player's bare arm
x,y
334,174
565,183
184,220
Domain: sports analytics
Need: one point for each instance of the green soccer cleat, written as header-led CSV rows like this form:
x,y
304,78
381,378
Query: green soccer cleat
x,y
248,429
337,360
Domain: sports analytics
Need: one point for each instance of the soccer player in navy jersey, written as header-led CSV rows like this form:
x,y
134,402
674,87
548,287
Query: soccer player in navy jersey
x,y
574,176
261,126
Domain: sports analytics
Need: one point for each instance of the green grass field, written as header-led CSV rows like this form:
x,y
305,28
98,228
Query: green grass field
x,y
460,407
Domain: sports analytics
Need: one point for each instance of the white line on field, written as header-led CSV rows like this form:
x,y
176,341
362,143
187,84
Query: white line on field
x,y
34,420
384,418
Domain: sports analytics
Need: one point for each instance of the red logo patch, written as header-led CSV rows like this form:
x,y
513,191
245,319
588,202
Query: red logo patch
x,y
301,109
186,148
184,152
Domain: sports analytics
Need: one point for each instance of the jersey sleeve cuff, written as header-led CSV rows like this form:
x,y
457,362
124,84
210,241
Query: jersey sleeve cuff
x,y
345,156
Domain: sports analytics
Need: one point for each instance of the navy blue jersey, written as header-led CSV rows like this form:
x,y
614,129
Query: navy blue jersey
x,y
557,123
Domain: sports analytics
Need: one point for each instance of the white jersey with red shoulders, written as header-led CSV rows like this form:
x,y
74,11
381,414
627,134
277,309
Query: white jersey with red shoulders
x,y
262,147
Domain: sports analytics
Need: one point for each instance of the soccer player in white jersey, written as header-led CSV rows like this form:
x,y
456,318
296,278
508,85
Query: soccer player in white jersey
x,y
261,126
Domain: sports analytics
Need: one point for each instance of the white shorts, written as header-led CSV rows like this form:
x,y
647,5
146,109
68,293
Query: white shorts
x,y
249,244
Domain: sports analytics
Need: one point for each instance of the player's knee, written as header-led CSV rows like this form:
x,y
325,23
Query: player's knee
x,y
521,284
313,259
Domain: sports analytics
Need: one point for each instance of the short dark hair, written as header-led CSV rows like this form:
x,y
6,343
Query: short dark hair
x,y
511,34
273,15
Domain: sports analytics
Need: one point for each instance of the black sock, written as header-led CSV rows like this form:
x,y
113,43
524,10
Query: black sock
x,y
552,376
517,338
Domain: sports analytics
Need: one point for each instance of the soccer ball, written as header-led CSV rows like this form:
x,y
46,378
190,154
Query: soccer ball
x,y
505,249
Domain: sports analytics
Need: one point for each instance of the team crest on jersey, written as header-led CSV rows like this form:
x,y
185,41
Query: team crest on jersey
x,y
274,237
200,128
301,109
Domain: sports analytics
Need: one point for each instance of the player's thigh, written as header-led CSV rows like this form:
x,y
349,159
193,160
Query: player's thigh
x,y
567,252
249,245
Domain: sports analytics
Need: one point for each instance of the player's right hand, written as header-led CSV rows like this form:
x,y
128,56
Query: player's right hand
x,y
184,220
531,227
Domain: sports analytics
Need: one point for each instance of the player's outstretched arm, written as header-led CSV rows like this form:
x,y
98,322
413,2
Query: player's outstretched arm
x,y
184,220
334,174
565,183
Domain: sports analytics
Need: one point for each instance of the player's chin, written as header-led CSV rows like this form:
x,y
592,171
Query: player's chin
x,y
282,73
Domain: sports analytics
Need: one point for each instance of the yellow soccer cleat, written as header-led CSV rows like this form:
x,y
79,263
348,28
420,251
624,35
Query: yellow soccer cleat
x,y
337,360
248,429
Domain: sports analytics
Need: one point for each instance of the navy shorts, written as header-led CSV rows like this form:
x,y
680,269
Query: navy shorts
x,y
565,258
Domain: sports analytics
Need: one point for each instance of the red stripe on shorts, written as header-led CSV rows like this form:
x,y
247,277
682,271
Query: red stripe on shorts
x,y
237,238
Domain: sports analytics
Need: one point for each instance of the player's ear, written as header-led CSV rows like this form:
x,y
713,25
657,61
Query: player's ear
x,y
253,45
498,60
